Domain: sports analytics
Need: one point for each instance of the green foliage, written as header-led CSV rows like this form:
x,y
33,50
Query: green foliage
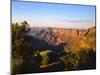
x,y
20,66
22,60
17,65
45,57
19,38
37,57
83,59
48,56
70,60
87,58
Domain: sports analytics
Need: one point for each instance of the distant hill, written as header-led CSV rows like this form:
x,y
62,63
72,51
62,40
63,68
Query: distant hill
x,y
58,38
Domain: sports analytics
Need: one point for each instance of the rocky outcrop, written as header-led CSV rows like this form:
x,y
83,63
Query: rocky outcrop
x,y
71,38
65,35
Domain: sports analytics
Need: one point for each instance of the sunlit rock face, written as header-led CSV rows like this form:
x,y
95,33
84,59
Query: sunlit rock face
x,y
73,39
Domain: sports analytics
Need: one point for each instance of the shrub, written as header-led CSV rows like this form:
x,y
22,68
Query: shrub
x,y
37,56
21,66
81,60
71,61
87,59
16,65
48,56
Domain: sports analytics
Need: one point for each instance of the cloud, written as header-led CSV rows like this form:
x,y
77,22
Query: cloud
x,y
63,23
74,20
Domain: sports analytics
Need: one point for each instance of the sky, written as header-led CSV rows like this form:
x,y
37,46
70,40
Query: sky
x,y
54,15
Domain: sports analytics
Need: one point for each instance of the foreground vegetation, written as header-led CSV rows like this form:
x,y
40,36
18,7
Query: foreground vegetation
x,y
27,59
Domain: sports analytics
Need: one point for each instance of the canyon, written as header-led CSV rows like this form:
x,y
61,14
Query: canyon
x,y
60,38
